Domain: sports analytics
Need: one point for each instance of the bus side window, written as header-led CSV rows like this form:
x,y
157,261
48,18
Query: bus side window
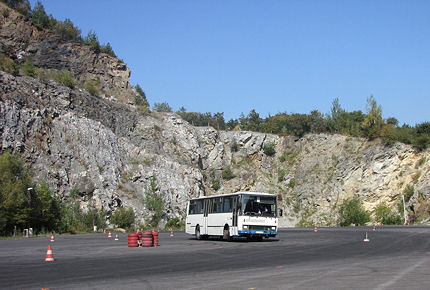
x,y
219,204
192,207
199,206
211,205
227,204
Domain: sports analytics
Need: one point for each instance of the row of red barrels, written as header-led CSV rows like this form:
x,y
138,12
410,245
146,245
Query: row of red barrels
x,y
145,239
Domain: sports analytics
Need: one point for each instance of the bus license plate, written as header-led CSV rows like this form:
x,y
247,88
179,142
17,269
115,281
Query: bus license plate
x,y
259,232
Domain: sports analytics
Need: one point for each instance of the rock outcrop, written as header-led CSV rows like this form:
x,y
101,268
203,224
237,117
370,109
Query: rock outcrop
x,y
48,51
103,147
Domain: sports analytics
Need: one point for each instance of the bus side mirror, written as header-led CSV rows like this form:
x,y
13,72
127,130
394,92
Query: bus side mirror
x,y
281,212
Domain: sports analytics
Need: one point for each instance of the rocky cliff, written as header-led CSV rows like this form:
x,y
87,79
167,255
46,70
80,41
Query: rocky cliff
x,y
105,148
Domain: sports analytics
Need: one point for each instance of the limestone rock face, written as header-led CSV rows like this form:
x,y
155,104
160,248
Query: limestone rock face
x,y
106,150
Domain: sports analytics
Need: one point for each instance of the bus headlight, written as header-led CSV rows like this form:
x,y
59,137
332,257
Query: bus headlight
x,y
245,227
273,228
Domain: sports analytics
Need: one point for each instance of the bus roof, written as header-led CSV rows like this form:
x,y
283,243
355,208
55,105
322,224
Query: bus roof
x,y
236,193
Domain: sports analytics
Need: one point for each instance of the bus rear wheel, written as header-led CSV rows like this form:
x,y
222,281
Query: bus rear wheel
x,y
226,234
198,236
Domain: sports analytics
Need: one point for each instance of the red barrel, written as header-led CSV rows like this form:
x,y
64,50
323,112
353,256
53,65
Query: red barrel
x,y
147,239
133,240
155,238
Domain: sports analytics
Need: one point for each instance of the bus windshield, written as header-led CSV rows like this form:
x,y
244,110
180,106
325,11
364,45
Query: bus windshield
x,y
254,205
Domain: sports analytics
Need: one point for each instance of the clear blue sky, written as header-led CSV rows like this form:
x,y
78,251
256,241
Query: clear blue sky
x,y
271,56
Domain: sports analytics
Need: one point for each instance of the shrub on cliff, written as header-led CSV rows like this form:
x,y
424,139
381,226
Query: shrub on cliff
x,y
91,87
8,65
234,146
5,12
227,174
28,69
216,184
65,78
269,149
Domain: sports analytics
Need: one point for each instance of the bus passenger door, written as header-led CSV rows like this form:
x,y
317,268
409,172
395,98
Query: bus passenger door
x,y
204,230
235,209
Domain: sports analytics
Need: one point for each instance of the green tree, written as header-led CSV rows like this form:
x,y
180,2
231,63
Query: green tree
x,y
336,116
15,198
140,98
388,134
254,121
39,17
392,121
373,121
107,48
317,122
22,203
353,212
422,142
162,107
66,29
423,128
46,209
154,202
232,124
92,41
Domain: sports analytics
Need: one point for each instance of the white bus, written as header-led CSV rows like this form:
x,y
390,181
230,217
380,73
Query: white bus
x,y
242,214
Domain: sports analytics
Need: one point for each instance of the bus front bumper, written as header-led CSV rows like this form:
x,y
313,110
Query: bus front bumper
x,y
267,233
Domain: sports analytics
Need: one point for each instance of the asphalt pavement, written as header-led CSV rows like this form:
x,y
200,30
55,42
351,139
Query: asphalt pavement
x,y
299,258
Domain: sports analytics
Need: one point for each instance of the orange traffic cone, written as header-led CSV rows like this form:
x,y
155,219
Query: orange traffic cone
x,y
116,237
52,238
109,235
171,232
49,255
316,228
